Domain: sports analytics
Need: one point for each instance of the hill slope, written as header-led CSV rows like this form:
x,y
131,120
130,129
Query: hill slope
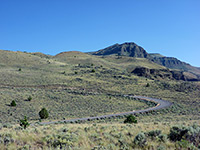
x,y
133,50
75,84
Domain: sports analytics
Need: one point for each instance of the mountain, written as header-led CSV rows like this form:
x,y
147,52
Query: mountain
x,y
126,49
133,50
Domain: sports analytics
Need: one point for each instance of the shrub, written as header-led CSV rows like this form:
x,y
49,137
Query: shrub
x,y
177,133
7,125
140,139
154,133
20,69
29,98
43,113
6,139
183,144
13,103
190,134
130,119
76,72
24,122
148,85
93,70
161,147
162,138
193,135
61,140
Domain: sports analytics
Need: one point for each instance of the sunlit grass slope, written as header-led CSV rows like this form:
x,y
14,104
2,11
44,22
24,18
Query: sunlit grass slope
x,y
75,84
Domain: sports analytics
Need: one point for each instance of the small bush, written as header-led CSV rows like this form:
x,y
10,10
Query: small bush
x,y
24,122
161,147
43,113
162,138
7,125
183,144
29,98
20,69
130,119
154,133
13,103
140,140
93,70
61,140
6,139
177,133
184,134
148,85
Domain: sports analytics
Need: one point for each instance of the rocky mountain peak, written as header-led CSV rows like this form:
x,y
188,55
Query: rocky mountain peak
x,y
126,49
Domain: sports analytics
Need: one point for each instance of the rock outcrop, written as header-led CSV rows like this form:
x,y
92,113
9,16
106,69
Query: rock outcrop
x,y
163,74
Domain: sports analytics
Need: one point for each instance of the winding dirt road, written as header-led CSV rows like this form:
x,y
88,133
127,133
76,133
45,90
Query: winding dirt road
x,y
161,104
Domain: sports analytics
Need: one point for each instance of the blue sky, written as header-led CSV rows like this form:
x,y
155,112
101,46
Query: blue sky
x,y
169,27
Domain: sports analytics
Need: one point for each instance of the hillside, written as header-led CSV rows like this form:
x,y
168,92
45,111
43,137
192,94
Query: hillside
x,y
133,50
67,84
174,63
74,85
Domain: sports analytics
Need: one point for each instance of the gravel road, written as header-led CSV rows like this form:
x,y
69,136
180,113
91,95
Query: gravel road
x,y
161,104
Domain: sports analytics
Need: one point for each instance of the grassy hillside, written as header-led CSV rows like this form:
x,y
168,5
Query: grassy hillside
x,y
75,84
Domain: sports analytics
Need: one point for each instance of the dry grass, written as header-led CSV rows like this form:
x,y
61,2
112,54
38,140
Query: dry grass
x,y
88,136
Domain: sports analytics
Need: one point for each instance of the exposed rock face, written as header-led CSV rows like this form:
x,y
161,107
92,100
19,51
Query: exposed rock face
x,y
142,71
162,73
178,75
126,49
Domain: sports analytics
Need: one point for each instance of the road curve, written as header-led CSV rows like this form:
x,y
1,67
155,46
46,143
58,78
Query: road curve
x,y
161,104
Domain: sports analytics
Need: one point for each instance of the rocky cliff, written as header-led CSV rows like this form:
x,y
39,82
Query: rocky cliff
x,y
164,74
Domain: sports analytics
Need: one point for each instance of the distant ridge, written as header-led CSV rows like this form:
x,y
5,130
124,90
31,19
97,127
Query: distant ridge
x,y
133,50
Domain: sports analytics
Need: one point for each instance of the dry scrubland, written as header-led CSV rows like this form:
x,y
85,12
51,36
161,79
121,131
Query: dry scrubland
x,y
74,84
110,136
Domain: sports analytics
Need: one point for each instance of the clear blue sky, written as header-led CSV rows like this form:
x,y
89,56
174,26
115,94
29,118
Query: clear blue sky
x,y
169,27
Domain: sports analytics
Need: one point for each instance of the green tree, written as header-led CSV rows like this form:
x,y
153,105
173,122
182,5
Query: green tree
x,y
148,85
29,98
24,122
130,119
43,113
13,103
